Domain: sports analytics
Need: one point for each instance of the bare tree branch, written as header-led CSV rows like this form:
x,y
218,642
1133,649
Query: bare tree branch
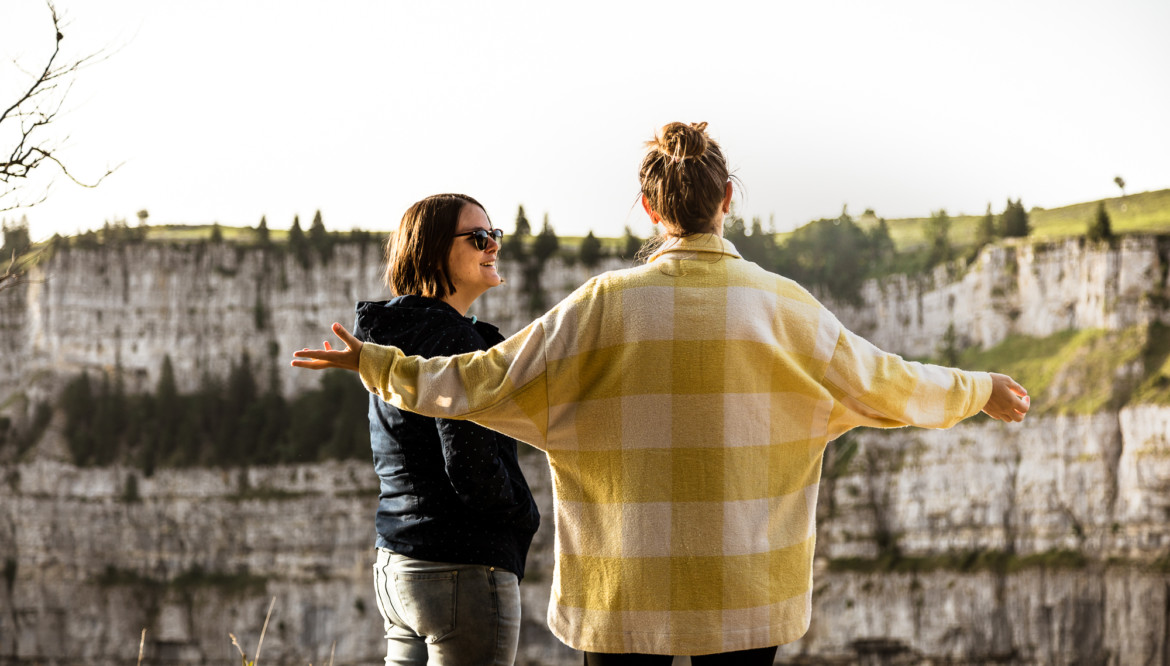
x,y
27,118
11,275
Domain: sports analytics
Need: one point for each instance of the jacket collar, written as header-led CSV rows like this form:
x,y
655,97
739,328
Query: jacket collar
x,y
713,243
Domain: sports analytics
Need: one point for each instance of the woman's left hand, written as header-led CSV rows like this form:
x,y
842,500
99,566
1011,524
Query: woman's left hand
x,y
323,359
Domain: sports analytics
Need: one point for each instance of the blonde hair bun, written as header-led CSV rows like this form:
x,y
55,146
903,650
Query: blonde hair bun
x,y
680,141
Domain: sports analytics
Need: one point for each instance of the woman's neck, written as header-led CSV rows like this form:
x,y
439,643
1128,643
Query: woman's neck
x,y
460,301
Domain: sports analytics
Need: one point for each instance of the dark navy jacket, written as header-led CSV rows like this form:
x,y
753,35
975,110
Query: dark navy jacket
x,y
451,491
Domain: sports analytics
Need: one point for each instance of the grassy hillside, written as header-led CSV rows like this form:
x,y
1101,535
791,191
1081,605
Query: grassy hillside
x,y
1144,212
1083,372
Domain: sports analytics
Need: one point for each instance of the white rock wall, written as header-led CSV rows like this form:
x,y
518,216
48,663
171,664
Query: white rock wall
x,y
1024,288
89,563
1097,484
201,303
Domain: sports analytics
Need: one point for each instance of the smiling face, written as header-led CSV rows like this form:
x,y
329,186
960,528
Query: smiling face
x,y
472,271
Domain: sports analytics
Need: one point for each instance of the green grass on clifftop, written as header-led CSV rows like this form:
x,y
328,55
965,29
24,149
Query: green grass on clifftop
x,y
1083,372
1143,212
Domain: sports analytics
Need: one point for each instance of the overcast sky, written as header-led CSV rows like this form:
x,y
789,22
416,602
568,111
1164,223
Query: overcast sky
x,y
226,111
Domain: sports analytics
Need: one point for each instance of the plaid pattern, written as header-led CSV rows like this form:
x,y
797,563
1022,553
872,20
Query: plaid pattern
x,y
684,406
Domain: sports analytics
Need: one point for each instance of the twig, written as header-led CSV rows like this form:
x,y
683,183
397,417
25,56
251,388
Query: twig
x,y
34,109
263,630
243,657
141,644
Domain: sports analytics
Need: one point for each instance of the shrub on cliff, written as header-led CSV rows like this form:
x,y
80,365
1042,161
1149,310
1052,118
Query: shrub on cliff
x,y
590,250
1101,228
833,253
1013,223
297,243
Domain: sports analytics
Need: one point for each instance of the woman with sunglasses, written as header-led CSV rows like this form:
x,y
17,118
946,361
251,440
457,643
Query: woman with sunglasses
x,y
455,516
684,406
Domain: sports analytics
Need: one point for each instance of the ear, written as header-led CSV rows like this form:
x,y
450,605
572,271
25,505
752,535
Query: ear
x,y
727,192
654,217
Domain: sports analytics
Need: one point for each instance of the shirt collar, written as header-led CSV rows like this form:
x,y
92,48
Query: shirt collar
x,y
713,243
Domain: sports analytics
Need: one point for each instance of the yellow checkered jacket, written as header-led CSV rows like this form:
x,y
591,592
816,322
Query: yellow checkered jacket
x,y
684,406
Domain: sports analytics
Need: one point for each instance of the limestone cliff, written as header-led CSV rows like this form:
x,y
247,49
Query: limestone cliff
x,y
204,303
1046,542
1021,287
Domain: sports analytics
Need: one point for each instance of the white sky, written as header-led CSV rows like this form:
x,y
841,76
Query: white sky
x,y
226,111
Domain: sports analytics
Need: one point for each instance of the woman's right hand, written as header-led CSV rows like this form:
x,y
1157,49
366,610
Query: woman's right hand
x,y
1009,402
322,359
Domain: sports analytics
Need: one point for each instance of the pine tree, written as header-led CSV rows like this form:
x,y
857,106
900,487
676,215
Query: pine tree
x,y
262,230
1101,228
77,401
1014,221
985,234
16,238
514,243
881,245
827,252
590,250
938,229
297,242
630,245
319,237
546,243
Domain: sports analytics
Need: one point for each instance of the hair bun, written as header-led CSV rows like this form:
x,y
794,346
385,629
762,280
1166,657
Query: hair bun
x,y
680,141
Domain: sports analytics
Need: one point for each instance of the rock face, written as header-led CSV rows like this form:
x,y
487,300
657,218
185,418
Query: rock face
x,y
1045,542
1025,288
205,303
194,555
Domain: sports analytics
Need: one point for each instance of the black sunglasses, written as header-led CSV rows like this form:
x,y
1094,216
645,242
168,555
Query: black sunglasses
x,y
480,237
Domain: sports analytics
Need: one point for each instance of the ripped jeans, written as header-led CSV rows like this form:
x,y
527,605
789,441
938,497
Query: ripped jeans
x,y
444,614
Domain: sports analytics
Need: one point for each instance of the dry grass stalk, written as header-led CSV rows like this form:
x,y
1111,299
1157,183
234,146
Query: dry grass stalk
x,y
260,643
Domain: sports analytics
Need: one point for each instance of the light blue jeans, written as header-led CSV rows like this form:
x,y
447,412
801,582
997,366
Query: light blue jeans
x,y
447,614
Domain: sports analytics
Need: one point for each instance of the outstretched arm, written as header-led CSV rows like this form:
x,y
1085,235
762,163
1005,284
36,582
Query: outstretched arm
x,y
323,359
877,389
502,388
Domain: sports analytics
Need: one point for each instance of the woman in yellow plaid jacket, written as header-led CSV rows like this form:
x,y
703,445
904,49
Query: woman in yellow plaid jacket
x,y
684,406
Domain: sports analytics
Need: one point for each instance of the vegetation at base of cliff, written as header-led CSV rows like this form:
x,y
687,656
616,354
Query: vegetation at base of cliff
x,y
192,579
1085,371
1155,386
1161,565
997,561
272,495
222,424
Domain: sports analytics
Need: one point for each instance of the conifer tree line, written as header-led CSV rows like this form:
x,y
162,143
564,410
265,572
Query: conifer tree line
x,y
315,245
224,423
839,254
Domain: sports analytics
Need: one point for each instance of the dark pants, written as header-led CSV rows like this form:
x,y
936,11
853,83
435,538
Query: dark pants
x,y
757,657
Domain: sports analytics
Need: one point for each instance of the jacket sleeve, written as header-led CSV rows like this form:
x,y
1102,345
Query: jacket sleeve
x,y
881,390
503,388
471,453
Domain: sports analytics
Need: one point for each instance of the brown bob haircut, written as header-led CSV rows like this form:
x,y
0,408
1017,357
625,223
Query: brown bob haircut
x,y
684,176
416,254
